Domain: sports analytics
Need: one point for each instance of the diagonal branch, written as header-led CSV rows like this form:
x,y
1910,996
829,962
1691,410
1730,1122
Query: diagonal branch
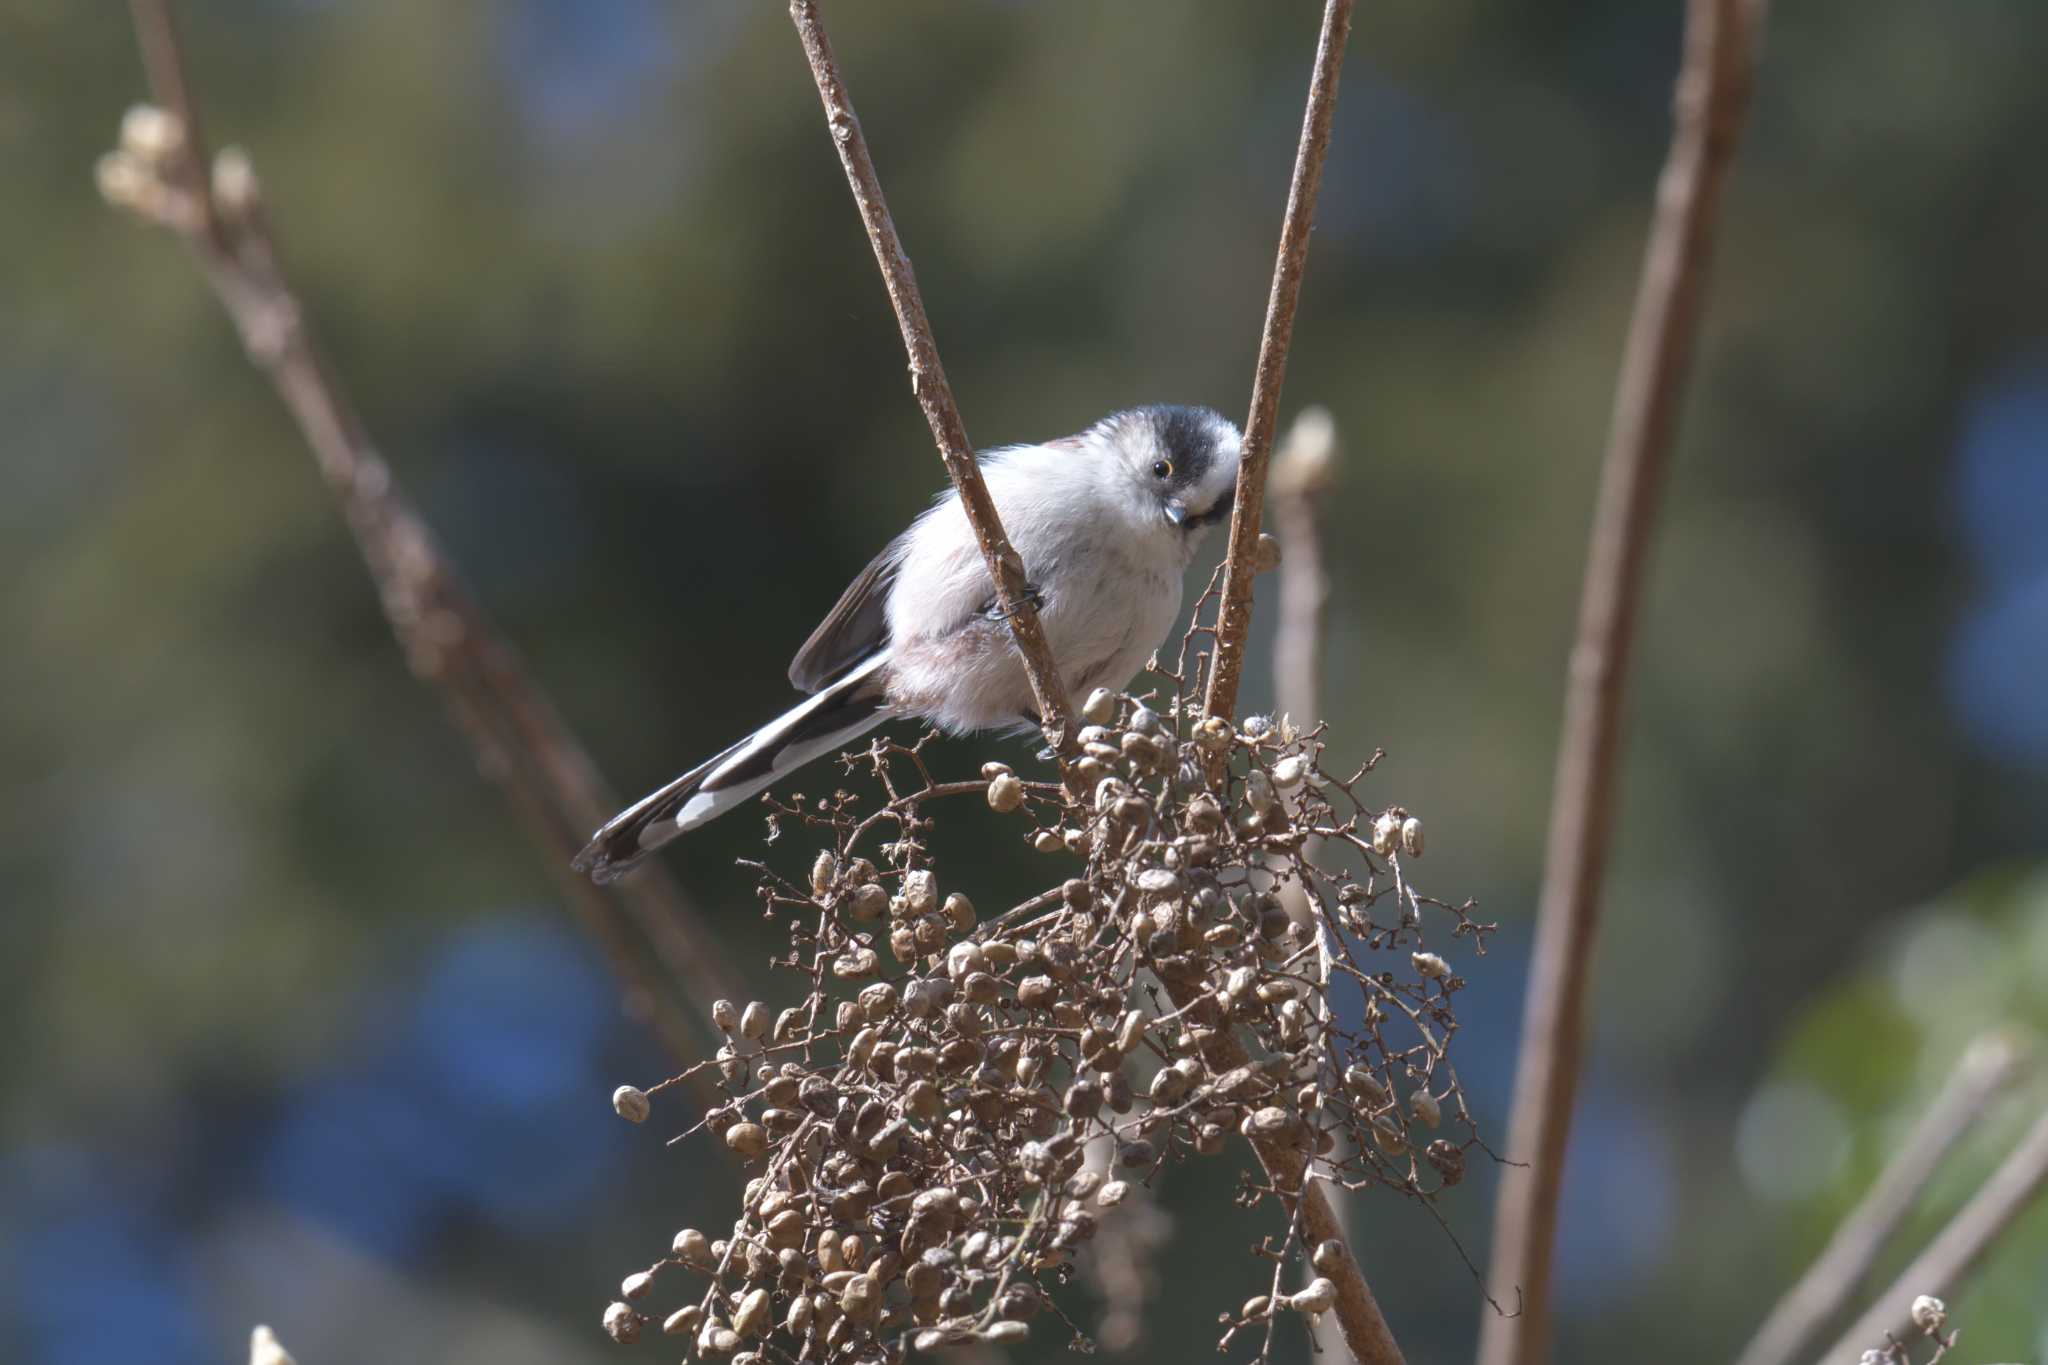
x,y
518,738
1712,95
1366,1334
1986,1069
1234,616
928,381
1955,1250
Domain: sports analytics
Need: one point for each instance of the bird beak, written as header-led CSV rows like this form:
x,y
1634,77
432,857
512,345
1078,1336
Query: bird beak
x,y
1177,512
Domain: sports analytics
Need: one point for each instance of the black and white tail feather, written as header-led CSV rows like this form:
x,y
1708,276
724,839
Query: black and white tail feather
x,y
839,714
1106,523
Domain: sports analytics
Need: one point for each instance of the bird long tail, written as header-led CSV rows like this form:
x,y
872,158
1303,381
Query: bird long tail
x,y
844,711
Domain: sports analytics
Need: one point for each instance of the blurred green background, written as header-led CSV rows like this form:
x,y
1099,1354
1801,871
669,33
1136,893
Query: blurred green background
x,y
294,1031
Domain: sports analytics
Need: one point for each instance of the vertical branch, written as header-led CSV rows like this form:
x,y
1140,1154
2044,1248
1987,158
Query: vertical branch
x,y
1233,617
1712,95
1955,1250
518,738
1302,470
1302,473
928,381
1984,1072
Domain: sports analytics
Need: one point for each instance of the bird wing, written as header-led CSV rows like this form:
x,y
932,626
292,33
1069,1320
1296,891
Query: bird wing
x,y
854,629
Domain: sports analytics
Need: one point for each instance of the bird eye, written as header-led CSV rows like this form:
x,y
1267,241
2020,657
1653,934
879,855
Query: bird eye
x,y
1163,469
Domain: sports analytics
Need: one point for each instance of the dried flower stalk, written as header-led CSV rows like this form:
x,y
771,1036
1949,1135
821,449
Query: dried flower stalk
x,y
162,173
1712,96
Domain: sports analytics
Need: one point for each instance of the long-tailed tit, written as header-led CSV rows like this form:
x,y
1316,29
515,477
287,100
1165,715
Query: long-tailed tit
x,y
1106,523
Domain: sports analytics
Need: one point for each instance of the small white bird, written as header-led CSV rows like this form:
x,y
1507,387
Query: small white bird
x,y
1106,523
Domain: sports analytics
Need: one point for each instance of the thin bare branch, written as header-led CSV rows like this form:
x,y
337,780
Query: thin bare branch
x,y
1302,470
928,382
519,739
1234,616
1985,1070
1942,1268
1712,96
1302,473
1366,1334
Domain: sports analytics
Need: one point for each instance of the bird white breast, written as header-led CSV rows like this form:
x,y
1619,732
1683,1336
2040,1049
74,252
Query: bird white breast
x,y
1108,567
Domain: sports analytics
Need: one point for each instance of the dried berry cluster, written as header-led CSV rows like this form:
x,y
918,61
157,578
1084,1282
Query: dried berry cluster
x,y
1930,1318
921,1122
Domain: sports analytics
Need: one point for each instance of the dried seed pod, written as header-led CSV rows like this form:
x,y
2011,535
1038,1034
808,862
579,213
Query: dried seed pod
x,y
1113,1194
1386,833
1447,1158
1386,1131
868,902
683,1321
1005,793
1161,881
754,1020
622,1324
1319,1296
692,1248
964,959
631,1104
1100,708
1328,1257
959,912
725,1015
1430,965
1425,1107
747,1139
822,872
1411,837
750,1319
1366,1086
636,1285
861,1298
920,892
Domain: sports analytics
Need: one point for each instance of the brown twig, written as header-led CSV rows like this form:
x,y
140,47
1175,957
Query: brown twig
x,y
519,739
928,382
1984,1071
1712,94
1941,1269
1233,617
1366,1334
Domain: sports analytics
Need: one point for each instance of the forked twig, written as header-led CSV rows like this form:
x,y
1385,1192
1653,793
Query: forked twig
x,y
518,738
1983,1073
1712,96
1949,1258
1234,615
928,382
